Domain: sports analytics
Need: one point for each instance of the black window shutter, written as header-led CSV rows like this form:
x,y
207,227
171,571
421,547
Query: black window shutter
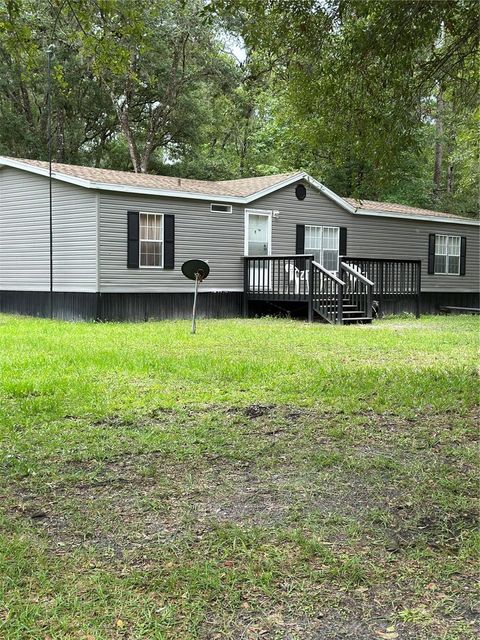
x,y
300,242
463,255
133,243
342,247
169,242
431,253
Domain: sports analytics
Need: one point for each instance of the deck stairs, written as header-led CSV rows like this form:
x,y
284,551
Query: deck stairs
x,y
345,298
353,315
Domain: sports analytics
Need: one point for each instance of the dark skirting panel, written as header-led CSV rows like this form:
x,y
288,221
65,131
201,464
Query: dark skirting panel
x,y
133,307
430,301
66,305
141,307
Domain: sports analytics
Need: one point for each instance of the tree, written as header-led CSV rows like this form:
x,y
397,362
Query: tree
x,y
360,74
83,122
127,77
152,59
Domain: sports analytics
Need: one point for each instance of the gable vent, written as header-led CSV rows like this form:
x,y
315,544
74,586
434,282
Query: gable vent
x,y
300,192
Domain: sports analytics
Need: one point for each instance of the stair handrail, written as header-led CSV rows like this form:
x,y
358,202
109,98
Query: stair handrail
x,y
331,309
363,297
357,274
328,273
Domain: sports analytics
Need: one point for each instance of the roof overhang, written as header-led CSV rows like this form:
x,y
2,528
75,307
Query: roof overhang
x,y
170,193
192,195
406,216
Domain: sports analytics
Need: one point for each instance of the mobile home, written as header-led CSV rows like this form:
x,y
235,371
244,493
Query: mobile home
x,y
119,239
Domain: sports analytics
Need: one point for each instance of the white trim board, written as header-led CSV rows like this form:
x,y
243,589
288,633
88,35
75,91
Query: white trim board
x,y
301,175
201,289
411,216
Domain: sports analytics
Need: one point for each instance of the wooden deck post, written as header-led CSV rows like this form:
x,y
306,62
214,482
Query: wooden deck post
x,y
340,304
419,289
380,288
310,289
246,286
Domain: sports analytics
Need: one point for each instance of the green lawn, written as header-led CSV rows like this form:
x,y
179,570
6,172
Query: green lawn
x,y
264,479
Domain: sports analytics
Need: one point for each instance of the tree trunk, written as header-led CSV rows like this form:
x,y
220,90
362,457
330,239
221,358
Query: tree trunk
x,y
122,113
437,170
450,179
245,140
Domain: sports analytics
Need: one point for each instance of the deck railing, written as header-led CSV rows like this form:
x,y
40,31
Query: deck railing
x,y
294,278
281,278
392,279
358,289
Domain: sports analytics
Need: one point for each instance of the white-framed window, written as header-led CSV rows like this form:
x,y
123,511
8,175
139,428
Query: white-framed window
x,y
447,255
151,240
323,243
217,207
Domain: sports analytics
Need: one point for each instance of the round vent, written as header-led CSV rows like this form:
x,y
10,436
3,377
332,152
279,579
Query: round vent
x,y
300,191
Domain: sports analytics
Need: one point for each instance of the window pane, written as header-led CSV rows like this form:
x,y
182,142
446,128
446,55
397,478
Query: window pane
x,y
313,242
454,265
151,254
454,245
313,239
440,264
143,226
317,254
151,226
441,245
330,238
330,260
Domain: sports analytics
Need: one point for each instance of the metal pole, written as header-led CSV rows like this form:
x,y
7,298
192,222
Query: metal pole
x,y
50,203
194,313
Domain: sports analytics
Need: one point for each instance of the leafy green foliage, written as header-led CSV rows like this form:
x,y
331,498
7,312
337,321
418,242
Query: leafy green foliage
x,y
358,78
376,99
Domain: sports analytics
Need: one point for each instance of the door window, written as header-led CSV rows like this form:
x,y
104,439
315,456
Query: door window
x,y
258,235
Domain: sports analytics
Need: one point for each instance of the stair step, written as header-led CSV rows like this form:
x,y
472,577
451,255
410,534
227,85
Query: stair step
x,y
353,313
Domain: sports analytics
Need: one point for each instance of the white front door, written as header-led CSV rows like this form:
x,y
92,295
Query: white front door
x,y
258,241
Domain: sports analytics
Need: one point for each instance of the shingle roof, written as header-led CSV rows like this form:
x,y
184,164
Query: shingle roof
x,y
244,190
371,205
242,187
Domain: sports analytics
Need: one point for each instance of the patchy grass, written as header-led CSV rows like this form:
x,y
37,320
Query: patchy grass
x,y
262,479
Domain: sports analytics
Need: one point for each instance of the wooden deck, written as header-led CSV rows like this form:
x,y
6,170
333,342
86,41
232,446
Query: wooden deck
x,y
339,298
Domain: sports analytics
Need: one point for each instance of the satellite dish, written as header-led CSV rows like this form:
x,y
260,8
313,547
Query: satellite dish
x,y
196,270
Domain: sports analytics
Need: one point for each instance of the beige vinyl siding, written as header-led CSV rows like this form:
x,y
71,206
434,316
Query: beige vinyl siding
x,y
24,234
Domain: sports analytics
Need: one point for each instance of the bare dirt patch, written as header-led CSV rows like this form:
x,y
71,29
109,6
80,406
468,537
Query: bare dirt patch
x,y
149,500
350,504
